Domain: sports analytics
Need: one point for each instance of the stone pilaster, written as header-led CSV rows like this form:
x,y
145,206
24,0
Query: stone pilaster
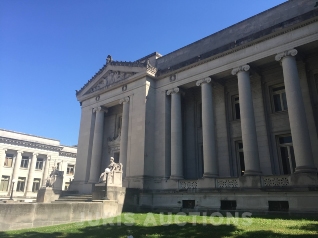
x,y
249,137
176,134
296,113
46,170
208,129
124,134
97,144
31,174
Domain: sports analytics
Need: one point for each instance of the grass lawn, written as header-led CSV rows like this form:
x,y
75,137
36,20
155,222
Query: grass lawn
x,y
159,225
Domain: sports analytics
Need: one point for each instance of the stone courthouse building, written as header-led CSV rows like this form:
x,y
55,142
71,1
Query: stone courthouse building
x,y
29,160
227,122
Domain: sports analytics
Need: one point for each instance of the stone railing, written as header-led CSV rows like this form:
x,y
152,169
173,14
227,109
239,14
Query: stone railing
x,y
190,184
227,183
276,181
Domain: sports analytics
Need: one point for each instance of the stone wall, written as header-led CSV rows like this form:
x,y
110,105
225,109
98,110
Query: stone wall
x,y
28,215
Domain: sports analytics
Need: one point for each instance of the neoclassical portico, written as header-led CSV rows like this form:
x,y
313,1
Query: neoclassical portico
x,y
26,162
217,115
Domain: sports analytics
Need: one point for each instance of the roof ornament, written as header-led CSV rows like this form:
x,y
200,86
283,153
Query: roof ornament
x,y
109,59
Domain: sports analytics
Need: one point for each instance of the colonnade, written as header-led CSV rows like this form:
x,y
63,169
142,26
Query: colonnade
x,y
16,167
296,112
97,146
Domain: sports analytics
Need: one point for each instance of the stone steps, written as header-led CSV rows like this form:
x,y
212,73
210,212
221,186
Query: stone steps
x,y
75,198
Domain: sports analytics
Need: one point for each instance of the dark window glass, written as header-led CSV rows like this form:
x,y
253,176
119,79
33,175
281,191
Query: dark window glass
x,y
277,103
237,111
285,140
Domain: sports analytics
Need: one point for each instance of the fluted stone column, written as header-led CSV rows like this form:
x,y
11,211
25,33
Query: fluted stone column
x,y
31,174
296,113
208,129
16,168
249,137
176,134
2,158
46,170
124,134
97,145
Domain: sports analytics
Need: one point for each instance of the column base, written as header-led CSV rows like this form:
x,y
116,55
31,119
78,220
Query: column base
x,y
175,177
252,173
305,169
209,175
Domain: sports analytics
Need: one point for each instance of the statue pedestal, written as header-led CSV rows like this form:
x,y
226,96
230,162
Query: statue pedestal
x,y
113,192
114,179
47,194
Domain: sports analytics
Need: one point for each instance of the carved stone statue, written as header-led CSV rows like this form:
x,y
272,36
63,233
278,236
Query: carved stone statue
x,y
51,180
114,174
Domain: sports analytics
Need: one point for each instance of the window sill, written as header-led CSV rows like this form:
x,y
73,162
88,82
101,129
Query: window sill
x,y
23,168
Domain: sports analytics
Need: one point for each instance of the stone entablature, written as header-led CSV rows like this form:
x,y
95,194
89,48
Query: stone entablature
x,y
29,144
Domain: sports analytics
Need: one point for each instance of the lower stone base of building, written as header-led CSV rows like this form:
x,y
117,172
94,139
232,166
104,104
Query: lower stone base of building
x,y
249,201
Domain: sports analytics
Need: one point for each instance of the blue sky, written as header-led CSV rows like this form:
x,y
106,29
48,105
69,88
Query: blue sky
x,y
48,49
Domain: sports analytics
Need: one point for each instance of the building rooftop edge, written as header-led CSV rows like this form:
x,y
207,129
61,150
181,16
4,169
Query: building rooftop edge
x,y
21,133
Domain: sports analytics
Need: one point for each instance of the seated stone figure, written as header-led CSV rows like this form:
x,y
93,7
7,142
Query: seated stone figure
x,y
114,168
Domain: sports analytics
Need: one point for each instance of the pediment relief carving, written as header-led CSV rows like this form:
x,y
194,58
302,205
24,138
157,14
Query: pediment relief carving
x,y
109,79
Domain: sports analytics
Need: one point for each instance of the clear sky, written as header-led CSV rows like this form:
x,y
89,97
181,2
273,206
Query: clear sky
x,y
48,49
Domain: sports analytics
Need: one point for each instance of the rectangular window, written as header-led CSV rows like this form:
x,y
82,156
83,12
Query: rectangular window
x,y
279,98
39,163
24,162
236,108
8,160
36,185
286,152
228,204
4,185
240,158
21,184
188,204
118,125
58,166
278,206
70,169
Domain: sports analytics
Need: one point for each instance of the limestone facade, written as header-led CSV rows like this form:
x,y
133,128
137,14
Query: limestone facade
x,y
29,160
235,110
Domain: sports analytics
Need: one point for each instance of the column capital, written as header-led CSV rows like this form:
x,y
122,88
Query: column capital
x,y
100,108
124,100
173,90
245,67
280,56
201,81
35,154
20,151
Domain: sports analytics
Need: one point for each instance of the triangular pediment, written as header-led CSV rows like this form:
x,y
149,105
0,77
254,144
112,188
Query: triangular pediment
x,y
109,79
110,76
